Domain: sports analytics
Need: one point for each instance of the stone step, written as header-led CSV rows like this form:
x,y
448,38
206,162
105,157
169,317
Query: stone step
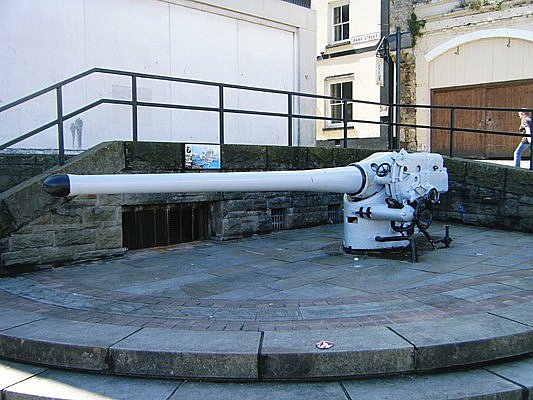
x,y
509,381
266,356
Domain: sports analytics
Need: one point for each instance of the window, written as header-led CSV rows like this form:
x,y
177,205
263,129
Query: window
x,y
341,90
341,23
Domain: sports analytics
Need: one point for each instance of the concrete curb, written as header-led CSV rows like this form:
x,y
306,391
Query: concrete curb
x,y
269,356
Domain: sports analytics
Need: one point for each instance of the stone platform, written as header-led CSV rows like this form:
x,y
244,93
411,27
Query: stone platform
x,y
253,309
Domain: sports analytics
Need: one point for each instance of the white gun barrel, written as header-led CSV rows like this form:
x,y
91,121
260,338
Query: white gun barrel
x,y
350,179
386,195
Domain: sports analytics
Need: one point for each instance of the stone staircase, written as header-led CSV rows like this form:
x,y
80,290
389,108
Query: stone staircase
x,y
509,381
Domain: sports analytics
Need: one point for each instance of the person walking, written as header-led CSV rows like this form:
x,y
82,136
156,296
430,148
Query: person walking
x,y
525,127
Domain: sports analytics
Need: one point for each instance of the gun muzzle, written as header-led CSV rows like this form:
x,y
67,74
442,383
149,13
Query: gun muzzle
x,y
57,185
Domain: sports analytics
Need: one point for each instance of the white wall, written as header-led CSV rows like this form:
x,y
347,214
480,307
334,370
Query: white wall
x,y
263,43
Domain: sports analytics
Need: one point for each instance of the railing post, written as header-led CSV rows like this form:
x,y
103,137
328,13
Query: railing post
x,y
531,150
398,85
390,134
452,129
345,122
289,119
60,136
134,121
221,113
530,112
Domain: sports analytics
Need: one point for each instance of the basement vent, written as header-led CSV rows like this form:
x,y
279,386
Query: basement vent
x,y
277,216
334,213
162,225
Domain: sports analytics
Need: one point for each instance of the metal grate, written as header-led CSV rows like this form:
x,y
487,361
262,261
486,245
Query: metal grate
x,y
162,225
277,216
335,213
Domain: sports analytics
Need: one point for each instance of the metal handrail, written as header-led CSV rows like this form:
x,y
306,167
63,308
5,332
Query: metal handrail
x,y
222,110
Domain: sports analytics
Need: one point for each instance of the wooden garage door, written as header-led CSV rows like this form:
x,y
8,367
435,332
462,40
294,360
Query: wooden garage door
x,y
517,94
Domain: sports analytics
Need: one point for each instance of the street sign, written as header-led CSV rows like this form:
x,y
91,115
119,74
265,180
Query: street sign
x,y
367,37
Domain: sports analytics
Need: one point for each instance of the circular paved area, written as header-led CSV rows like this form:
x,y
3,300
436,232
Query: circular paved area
x,y
289,280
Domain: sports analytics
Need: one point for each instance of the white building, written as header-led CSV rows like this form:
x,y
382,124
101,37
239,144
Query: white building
x,y
263,43
348,32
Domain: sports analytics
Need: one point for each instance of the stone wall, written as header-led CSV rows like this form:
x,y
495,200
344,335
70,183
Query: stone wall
x,y
400,14
16,168
38,229
239,214
489,195
408,96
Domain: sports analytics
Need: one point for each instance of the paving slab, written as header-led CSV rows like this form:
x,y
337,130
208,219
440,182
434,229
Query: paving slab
x,y
474,339
53,384
482,292
524,283
57,342
357,352
12,373
521,313
260,391
173,353
11,318
519,372
452,386
364,308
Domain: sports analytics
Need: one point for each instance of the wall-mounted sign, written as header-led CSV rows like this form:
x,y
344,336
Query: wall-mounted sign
x,y
367,37
380,71
202,156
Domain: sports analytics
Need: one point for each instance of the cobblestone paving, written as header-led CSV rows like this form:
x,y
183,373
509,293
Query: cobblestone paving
x,y
289,280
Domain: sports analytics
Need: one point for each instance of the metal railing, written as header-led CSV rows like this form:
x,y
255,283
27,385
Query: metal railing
x,y
393,141
453,129
135,103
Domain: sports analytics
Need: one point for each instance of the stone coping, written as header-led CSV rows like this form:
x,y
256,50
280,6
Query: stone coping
x,y
266,356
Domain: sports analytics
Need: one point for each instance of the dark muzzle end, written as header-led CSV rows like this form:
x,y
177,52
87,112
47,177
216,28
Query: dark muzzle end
x,y
57,185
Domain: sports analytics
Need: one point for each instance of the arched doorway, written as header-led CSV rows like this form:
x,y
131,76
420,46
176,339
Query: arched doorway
x,y
489,68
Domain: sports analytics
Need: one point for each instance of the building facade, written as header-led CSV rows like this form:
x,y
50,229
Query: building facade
x,y
478,54
348,34
263,43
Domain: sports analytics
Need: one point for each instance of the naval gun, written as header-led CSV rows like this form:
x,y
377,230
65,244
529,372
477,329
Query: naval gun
x,y
388,197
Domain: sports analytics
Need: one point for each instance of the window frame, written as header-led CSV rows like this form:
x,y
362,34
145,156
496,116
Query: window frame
x,y
342,24
335,103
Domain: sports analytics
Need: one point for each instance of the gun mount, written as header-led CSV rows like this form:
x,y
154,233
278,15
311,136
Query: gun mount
x,y
388,196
